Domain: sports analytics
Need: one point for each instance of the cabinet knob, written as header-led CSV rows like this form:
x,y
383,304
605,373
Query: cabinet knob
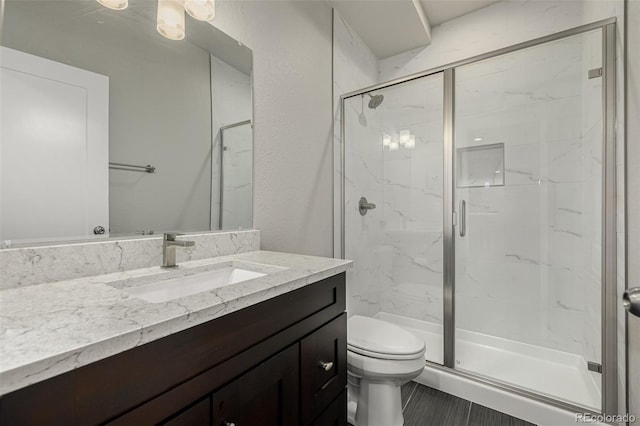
x,y
326,366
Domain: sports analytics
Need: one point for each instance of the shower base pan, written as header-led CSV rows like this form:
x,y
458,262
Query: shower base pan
x,y
558,375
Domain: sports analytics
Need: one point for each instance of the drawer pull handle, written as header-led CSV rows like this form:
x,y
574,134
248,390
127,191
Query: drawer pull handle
x,y
326,366
229,424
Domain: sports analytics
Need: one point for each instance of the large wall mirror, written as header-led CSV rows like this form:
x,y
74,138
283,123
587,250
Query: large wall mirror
x,y
110,129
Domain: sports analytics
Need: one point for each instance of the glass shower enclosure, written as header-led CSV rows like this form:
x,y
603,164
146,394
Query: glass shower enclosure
x,y
490,235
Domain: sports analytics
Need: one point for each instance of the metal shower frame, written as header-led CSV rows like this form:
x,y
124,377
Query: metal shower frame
x,y
609,338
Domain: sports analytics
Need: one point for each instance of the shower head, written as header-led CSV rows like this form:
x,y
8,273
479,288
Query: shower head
x,y
375,101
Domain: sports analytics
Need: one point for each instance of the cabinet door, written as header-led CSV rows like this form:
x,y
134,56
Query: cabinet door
x,y
265,396
335,414
323,367
197,415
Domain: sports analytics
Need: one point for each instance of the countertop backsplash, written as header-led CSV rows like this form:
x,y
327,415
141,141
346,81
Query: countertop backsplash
x,y
21,267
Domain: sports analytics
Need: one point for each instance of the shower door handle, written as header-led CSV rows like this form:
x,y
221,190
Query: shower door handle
x,y
462,212
631,301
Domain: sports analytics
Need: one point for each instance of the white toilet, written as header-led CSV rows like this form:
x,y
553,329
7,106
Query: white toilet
x,y
381,357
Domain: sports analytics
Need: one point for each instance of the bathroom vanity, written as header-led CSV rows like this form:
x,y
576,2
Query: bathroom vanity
x,y
269,351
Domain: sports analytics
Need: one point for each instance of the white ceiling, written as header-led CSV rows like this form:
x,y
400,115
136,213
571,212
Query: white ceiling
x,y
390,27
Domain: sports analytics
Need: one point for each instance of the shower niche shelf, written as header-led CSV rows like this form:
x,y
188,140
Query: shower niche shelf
x,y
480,166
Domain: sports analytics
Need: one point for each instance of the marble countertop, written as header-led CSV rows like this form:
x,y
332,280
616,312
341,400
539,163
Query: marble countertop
x,y
49,329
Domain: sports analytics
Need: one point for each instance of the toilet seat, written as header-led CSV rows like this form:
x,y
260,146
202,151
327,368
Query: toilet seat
x,y
379,339
378,355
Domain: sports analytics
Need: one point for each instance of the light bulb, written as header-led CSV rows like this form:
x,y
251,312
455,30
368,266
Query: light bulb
x,y
393,146
202,10
411,143
386,139
170,19
404,137
114,4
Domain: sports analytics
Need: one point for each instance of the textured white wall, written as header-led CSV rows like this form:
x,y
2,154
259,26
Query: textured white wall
x,y
500,25
291,43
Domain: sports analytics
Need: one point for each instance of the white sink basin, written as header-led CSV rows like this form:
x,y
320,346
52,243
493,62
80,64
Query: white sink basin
x,y
164,291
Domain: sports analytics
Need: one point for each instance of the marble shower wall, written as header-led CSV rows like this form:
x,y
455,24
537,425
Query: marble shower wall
x,y
412,209
355,67
21,267
364,234
398,245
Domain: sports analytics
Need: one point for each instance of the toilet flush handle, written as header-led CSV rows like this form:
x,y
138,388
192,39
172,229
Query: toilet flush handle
x,y
326,366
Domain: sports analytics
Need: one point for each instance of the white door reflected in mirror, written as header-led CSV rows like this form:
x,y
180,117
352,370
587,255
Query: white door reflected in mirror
x,y
54,176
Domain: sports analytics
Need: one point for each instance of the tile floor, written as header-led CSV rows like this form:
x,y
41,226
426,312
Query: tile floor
x,y
424,406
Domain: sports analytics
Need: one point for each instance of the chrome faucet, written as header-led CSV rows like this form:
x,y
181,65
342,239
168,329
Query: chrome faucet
x,y
169,244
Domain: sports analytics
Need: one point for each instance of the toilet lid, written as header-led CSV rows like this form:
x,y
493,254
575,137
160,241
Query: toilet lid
x,y
380,339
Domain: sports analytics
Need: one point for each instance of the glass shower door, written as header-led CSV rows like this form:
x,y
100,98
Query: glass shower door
x,y
236,176
394,160
528,192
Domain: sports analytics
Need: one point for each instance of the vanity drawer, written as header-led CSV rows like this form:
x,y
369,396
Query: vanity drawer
x,y
323,367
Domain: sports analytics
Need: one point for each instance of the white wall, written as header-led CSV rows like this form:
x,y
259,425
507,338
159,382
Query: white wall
x,y
500,25
291,44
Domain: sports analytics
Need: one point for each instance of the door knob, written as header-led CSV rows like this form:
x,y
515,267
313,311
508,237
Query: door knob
x,y
631,301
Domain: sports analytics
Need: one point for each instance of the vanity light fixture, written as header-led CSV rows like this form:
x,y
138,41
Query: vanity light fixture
x,y
202,10
170,22
114,4
171,14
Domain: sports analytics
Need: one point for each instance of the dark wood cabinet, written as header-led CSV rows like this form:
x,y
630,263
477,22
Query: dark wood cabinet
x,y
323,367
266,395
335,414
197,415
267,364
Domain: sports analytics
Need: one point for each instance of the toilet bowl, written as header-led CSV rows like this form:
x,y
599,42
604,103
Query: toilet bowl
x,y
381,357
